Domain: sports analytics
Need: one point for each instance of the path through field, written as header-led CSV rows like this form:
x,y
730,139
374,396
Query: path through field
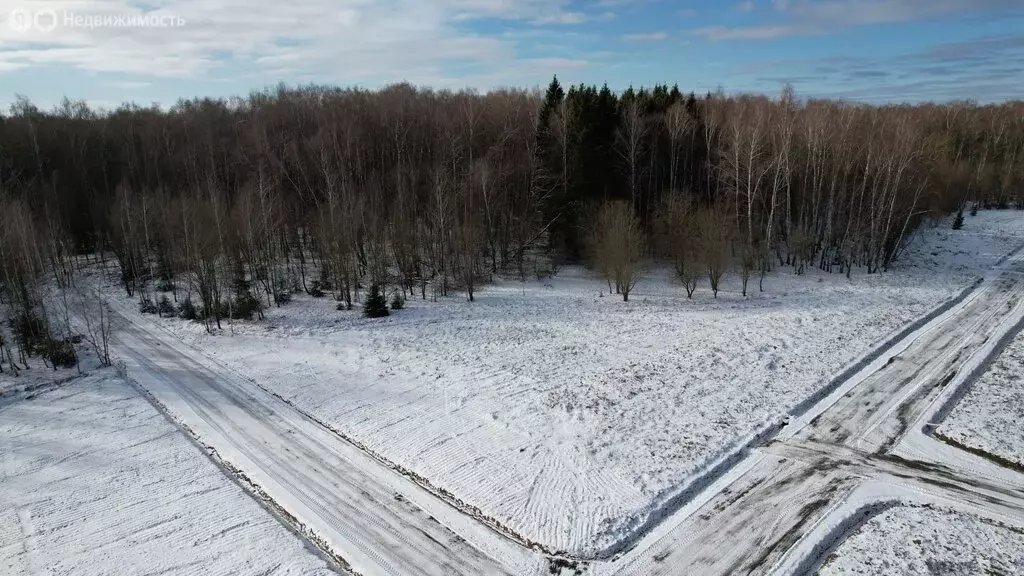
x,y
774,511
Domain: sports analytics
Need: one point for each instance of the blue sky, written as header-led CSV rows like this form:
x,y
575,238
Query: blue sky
x,y
867,50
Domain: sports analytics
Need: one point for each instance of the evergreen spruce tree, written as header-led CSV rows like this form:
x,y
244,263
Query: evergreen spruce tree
x,y
549,157
165,308
552,100
188,310
376,306
675,95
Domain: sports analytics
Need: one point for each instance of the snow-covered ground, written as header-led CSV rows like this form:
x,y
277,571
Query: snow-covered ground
x,y
990,414
39,375
93,480
924,540
567,416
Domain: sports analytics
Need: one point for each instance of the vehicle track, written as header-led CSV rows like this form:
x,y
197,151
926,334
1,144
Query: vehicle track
x,y
751,521
308,470
777,509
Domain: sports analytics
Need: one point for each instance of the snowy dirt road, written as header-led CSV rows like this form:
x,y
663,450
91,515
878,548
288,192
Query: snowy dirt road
x,y
94,481
778,506
769,513
370,517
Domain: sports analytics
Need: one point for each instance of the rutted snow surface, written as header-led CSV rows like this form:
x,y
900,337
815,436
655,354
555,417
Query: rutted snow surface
x,y
990,414
924,540
568,416
96,481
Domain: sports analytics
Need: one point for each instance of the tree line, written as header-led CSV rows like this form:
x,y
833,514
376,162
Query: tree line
x,y
230,205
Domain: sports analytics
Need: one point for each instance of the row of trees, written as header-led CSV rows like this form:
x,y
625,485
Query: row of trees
x,y
50,306
237,203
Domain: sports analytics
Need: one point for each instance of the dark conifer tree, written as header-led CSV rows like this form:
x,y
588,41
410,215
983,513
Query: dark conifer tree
x,y
376,306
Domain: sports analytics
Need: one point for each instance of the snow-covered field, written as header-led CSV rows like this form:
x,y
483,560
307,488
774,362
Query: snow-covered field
x,y
929,541
990,414
567,416
93,480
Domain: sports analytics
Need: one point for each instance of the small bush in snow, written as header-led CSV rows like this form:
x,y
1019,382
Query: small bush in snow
x,y
188,311
375,306
30,331
146,306
61,353
282,298
397,303
958,222
242,307
165,308
316,290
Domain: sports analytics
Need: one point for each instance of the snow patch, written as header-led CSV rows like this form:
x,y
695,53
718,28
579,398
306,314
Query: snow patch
x,y
928,540
96,479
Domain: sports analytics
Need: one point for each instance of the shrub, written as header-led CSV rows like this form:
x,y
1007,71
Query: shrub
x,y
316,290
61,353
974,209
375,306
165,308
958,222
31,331
282,298
164,285
188,311
243,307
341,306
146,306
397,303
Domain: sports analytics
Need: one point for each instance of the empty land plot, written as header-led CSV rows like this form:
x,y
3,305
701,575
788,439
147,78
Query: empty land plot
x,y
569,416
989,416
96,481
923,540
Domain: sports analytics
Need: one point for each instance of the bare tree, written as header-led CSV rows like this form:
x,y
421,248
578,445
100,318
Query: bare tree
x,y
630,138
617,245
715,241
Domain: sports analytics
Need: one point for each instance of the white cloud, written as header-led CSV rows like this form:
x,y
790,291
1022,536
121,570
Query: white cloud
x,y
344,39
717,33
645,37
562,18
854,12
807,18
130,84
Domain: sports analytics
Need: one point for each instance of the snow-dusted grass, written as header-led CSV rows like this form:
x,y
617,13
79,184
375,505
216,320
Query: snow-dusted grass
x,y
922,540
568,416
989,416
93,480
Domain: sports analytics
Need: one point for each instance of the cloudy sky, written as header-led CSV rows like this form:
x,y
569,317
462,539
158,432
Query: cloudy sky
x,y
872,50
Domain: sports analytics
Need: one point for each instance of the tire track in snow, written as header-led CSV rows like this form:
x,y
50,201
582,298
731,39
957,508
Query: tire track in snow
x,y
312,478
